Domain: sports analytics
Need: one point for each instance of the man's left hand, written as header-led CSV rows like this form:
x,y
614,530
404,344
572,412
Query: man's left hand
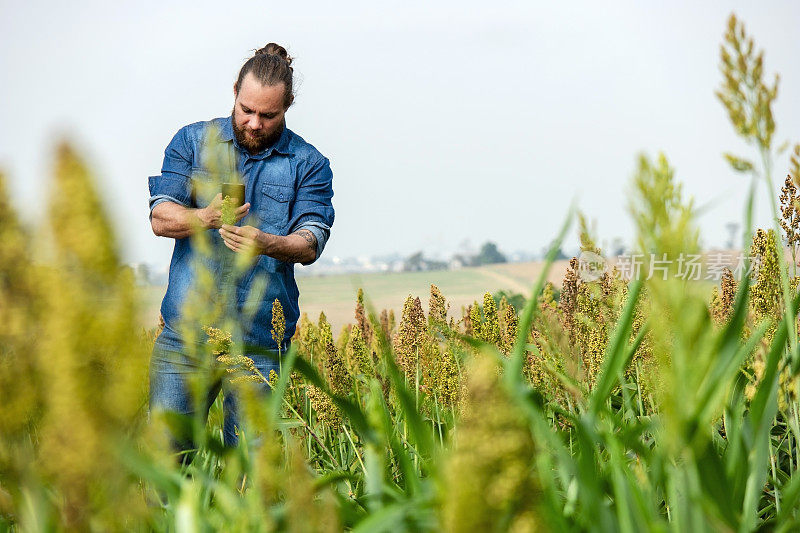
x,y
244,239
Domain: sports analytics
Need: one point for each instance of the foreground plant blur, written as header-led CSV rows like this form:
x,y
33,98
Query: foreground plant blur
x,y
622,406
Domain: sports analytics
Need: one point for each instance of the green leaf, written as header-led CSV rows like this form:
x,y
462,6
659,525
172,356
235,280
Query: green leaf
x,y
716,486
387,519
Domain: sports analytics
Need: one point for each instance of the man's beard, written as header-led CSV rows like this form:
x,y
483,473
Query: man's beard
x,y
260,142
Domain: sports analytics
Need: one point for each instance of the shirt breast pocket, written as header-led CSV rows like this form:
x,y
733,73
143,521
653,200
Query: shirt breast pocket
x,y
276,201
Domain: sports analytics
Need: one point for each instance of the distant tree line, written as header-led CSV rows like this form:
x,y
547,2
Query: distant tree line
x,y
487,255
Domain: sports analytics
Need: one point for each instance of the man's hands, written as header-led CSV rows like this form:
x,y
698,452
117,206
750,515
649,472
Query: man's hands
x,y
177,221
244,239
211,215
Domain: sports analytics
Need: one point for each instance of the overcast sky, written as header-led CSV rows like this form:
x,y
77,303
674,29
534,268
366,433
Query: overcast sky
x,y
443,121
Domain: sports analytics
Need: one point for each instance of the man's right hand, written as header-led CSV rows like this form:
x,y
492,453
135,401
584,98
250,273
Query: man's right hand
x,y
176,221
211,215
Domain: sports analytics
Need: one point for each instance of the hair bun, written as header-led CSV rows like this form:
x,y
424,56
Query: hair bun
x,y
273,49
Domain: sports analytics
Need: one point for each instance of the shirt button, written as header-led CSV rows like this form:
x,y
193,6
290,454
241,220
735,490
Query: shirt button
x,y
281,196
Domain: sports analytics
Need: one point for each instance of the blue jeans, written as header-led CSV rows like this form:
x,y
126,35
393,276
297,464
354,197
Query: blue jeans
x,y
171,371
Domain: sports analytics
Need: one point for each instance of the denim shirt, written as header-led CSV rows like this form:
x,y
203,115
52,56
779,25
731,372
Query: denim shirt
x,y
288,186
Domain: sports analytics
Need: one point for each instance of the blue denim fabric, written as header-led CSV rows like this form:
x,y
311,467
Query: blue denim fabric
x,y
170,372
288,186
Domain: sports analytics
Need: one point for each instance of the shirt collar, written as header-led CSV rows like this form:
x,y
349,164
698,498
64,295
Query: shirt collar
x,y
281,146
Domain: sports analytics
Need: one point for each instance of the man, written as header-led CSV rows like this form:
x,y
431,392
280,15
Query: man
x,y
286,219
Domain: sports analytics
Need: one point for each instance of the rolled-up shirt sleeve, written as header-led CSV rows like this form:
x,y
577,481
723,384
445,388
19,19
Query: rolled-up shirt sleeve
x,y
175,182
321,231
313,208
